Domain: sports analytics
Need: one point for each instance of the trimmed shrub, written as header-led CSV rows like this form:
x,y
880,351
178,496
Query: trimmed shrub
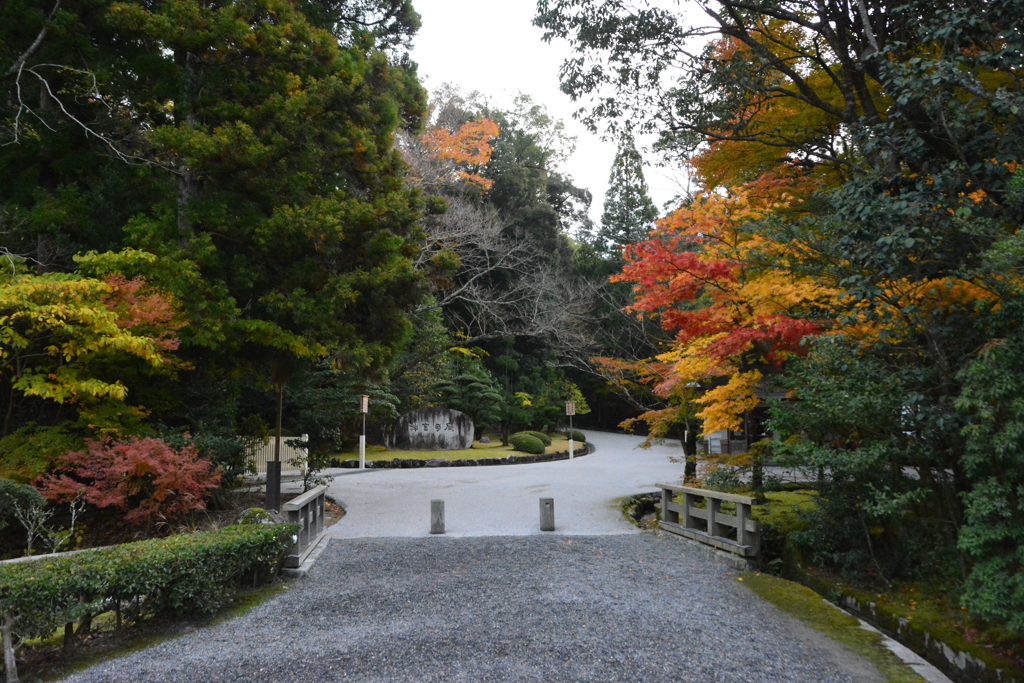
x,y
185,574
544,438
577,435
526,443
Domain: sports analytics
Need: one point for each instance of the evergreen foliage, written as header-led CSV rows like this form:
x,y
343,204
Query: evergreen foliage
x,y
526,443
541,436
184,574
628,212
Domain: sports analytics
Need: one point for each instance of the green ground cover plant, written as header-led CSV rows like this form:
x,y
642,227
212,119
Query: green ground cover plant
x,y
930,604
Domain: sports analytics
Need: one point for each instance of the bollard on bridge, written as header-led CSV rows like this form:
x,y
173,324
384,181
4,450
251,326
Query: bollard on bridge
x,y
437,516
547,514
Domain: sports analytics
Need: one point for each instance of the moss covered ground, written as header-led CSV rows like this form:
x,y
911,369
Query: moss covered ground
x,y
809,607
930,605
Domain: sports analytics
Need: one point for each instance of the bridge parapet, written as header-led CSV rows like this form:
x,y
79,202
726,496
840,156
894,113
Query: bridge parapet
x,y
737,533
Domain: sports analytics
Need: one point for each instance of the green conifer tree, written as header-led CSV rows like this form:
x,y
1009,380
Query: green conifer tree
x,y
628,211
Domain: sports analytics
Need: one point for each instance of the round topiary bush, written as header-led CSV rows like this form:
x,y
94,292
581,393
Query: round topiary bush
x,y
526,443
544,438
577,435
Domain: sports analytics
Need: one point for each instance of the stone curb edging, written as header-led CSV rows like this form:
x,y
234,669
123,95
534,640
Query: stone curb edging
x,y
960,666
924,668
409,463
921,666
957,665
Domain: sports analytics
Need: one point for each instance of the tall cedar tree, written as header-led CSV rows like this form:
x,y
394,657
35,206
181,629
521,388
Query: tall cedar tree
x,y
628,212
246,147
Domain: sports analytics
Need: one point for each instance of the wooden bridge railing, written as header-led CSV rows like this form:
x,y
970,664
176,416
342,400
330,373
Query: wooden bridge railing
x,y
738,533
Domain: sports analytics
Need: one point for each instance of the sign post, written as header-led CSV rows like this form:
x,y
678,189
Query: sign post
x,y
364,407
570,410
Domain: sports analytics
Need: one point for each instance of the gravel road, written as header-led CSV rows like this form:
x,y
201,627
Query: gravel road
x,y
628,607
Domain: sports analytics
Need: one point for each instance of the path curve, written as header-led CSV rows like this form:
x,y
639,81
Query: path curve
x,y
503,500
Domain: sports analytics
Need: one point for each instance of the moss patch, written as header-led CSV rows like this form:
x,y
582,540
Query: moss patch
x,y
932,608
785,510
807,606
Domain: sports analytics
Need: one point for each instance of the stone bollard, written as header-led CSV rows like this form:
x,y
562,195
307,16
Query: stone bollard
x,y
437,516
547,514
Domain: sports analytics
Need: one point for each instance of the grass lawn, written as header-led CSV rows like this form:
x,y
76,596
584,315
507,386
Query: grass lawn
x,y
559,442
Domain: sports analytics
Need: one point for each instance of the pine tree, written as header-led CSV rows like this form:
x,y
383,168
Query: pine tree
x,y
628,212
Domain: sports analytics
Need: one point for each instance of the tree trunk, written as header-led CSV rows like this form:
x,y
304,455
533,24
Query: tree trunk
x,y
690,452
186,189
756,459
69,641
10,663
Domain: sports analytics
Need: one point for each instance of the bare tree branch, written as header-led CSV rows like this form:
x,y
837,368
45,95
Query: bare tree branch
x,y
20,62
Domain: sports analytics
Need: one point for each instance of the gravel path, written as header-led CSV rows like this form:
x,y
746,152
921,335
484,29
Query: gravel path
x,y
638,607
503,500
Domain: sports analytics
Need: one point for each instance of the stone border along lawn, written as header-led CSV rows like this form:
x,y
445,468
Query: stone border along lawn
x,y
377,457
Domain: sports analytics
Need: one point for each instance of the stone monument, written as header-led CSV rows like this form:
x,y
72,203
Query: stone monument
x,y
430,429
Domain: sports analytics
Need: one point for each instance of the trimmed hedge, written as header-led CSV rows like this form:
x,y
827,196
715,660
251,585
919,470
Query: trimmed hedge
x,y
188,573
544,438
577,435
526,443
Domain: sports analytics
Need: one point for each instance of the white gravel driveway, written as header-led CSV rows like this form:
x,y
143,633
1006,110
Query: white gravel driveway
x,y
503,500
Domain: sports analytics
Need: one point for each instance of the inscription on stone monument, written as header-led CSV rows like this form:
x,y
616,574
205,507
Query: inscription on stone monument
x,y
430,429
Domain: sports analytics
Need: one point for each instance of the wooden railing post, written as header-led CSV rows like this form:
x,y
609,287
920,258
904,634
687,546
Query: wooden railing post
x,y
715,527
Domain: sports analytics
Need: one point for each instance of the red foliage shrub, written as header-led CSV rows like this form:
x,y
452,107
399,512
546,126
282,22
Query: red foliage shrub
x,y
144,477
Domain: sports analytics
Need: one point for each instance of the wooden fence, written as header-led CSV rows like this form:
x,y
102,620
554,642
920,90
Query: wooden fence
x,y
262,453
738,533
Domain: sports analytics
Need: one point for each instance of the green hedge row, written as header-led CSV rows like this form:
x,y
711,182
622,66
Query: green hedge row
x,y
188,573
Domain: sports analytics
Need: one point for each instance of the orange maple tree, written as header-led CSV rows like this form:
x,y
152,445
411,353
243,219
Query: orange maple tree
x,y
468,149
729,295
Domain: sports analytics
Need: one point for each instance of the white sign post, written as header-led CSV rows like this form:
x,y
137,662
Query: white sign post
x,y
364,407
570,410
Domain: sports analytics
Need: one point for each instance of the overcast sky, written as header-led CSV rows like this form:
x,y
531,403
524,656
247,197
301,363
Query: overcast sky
x,y
492,46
